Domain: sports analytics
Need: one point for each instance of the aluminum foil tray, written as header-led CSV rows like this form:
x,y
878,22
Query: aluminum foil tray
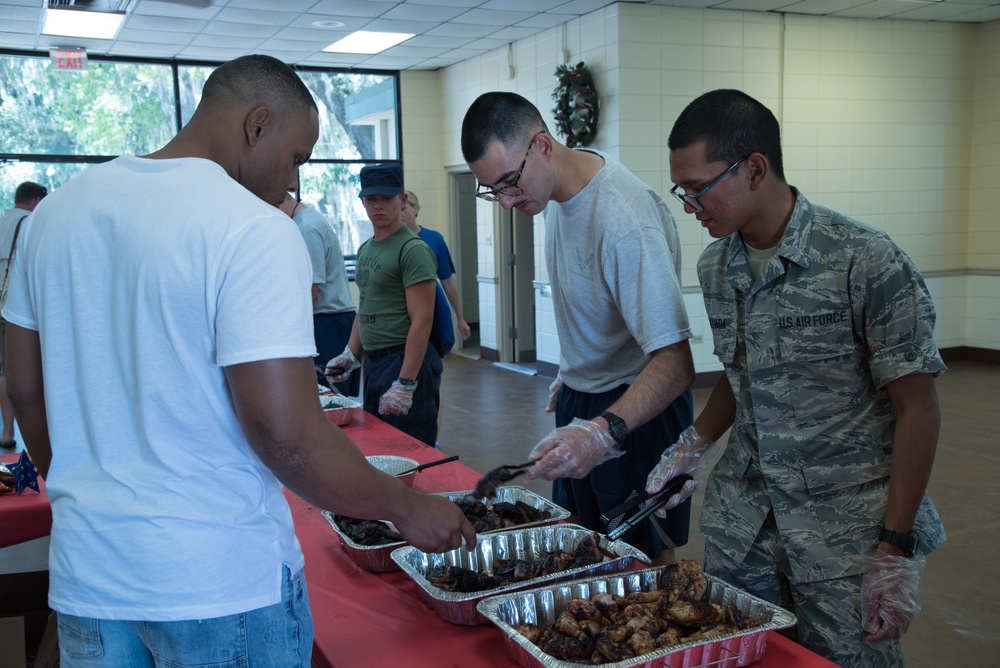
x,y
378,558
544,604
339,409
510,544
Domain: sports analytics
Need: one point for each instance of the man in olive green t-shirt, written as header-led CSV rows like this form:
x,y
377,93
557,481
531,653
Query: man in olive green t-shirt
x,y
396,277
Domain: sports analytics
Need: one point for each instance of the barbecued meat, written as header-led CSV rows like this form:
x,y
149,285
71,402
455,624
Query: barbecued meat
x,y
484,518
500,515
453,578
367,532
684,578
620,628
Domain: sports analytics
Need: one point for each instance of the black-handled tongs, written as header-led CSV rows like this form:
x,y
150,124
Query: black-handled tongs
x,y
614,518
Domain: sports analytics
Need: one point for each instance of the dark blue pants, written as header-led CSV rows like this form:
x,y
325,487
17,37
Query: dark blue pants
x,y
332,331
611,483
421,421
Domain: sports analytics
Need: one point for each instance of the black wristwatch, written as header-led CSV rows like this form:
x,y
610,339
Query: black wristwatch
x,y
616,426
907,541
408,383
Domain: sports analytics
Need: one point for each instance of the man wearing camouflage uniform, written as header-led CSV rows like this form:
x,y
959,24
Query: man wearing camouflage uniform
x,y
824,327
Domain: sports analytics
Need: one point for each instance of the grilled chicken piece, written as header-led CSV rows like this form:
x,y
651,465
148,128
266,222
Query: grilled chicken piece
x,y
684,578
530,631
668,638
569,648
568,624
614,651
695,614
641,643
609,605
581,608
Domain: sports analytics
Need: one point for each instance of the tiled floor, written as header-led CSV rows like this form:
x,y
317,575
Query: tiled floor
x,y
493,416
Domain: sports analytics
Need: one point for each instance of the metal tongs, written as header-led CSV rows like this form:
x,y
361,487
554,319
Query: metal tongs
x,y
486,488
614,518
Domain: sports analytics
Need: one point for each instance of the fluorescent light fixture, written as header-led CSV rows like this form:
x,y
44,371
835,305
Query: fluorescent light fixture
x,y
364,41
80,23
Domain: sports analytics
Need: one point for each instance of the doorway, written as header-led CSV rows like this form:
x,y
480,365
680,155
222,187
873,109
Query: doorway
x,y
465,241
516,290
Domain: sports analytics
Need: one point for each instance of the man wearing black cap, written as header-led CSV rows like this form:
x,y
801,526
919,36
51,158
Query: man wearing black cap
x,y
396,278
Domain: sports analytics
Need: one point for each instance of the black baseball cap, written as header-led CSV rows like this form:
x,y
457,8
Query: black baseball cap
x,y
385,179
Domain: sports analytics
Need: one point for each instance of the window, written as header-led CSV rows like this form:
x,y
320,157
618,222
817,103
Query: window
x,y
53,125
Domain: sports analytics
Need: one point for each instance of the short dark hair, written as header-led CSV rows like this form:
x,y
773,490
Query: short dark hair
x,y
497,116
258,80
28,191
733,125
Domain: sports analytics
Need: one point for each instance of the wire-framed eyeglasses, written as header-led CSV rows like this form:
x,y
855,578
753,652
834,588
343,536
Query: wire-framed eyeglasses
x,y
510,190
694,201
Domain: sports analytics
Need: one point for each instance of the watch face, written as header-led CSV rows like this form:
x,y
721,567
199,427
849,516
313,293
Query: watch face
x,y
407,382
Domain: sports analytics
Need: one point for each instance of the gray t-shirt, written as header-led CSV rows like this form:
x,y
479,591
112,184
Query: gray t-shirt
x,y
327,259
613,256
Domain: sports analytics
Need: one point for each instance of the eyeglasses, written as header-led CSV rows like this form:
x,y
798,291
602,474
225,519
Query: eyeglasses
x,y
509,190
694,201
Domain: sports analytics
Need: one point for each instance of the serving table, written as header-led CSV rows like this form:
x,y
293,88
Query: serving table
x,y
364,619
24,516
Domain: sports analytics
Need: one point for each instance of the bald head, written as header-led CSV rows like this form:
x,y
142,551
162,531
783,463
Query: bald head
x,y
256,81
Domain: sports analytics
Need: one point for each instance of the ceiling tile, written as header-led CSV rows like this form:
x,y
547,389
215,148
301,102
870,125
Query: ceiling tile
x,y
351,8
821,7
155,36
165,23
247,30
176,9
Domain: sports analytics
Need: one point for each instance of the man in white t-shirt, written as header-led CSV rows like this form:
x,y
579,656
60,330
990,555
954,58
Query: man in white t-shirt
x,y
179,392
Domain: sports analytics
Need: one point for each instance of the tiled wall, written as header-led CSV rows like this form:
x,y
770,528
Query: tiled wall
x,y
894,122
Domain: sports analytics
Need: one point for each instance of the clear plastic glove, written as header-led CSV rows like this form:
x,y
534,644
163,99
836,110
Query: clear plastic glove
x,y
397,399
890,600
572,451
690,454
340,367
554,394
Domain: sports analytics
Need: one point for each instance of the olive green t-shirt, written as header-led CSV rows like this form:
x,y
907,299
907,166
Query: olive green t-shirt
x,y
385,269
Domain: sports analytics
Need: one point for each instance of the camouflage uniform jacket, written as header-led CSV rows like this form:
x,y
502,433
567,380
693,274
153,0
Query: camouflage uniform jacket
x,y
838,312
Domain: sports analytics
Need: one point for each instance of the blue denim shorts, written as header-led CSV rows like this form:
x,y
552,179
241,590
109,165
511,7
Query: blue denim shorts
x,y
277,636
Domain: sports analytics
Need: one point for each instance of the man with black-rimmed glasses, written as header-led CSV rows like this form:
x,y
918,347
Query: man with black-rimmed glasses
x,y
613,258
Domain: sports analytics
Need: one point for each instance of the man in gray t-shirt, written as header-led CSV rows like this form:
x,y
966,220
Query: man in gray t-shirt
x,y
613,257
333,307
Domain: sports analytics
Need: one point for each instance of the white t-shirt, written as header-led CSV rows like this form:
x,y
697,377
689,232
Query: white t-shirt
x,y
144,278
613,256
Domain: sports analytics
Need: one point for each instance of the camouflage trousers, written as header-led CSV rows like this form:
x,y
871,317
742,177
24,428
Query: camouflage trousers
x,y
828,611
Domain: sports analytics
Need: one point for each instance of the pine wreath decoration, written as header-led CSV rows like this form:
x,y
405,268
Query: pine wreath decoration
x,y
576,107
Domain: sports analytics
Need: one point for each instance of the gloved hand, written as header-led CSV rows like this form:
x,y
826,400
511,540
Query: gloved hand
x,y
690,454
340,367
554,394
397,399
572,451
890,600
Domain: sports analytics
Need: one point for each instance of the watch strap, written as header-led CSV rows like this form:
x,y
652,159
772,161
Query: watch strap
x,y
616,426
906,541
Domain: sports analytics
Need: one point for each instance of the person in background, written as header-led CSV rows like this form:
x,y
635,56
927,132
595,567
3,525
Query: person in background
x,y
613,257
26,198
443,330
396,278
446,267
824,327
179,392
333,307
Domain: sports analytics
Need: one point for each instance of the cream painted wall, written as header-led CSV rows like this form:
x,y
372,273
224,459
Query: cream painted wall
x,y
894,122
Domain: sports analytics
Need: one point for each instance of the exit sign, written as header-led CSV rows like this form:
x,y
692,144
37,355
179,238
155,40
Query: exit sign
x,y
68,60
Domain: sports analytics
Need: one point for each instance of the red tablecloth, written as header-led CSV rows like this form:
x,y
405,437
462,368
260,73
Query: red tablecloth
x,y
26,516
364,619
